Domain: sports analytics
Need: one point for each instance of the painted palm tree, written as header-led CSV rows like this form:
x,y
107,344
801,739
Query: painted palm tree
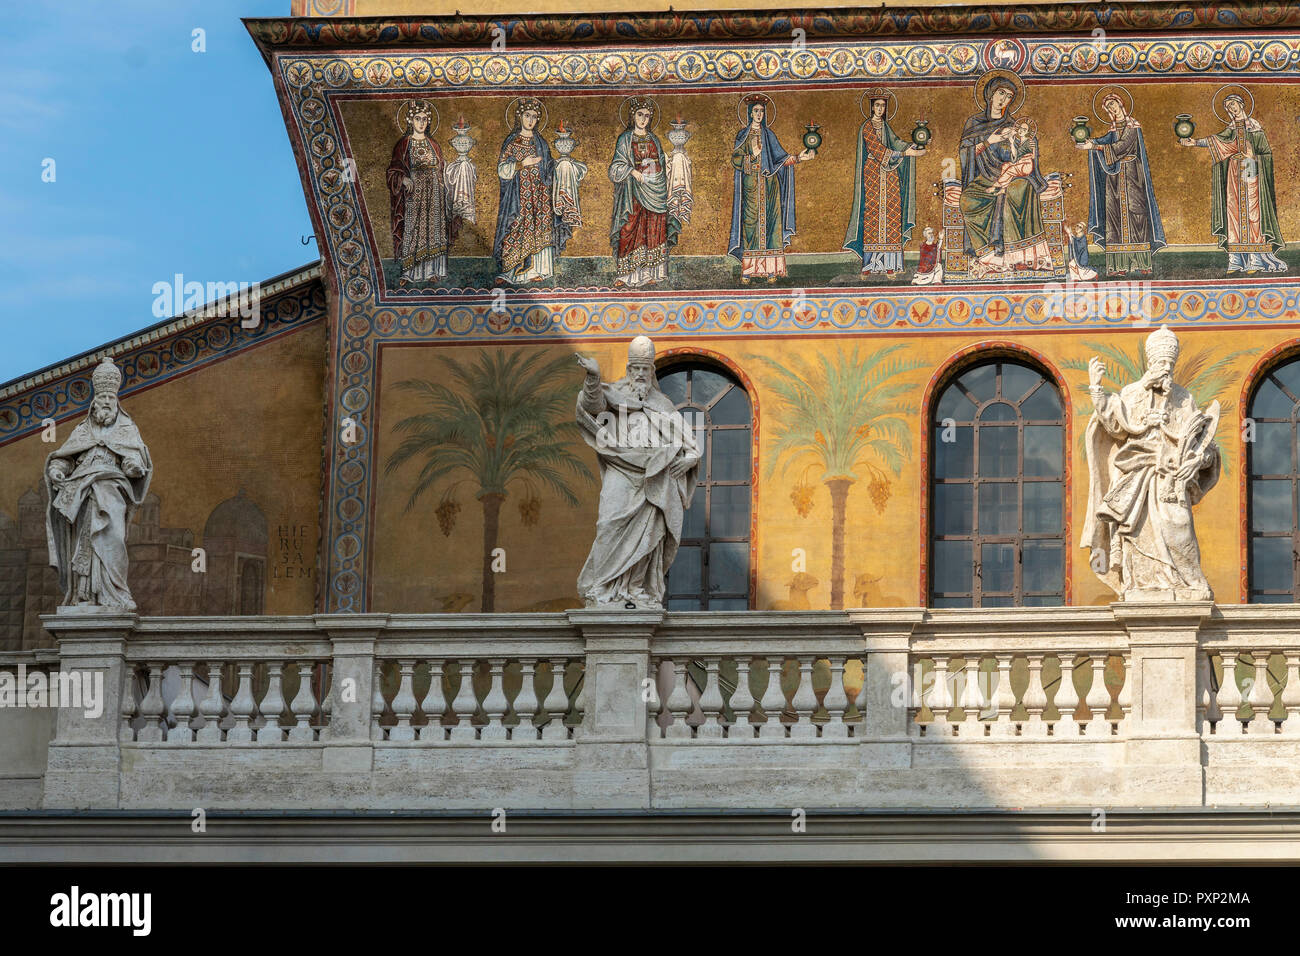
x,y
509,421
1206,377
845,416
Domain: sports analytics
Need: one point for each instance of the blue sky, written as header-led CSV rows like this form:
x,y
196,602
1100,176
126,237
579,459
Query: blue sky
x,y
166,161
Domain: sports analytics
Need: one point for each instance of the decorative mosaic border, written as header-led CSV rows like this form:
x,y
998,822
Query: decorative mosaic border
x,y
163,359
311,84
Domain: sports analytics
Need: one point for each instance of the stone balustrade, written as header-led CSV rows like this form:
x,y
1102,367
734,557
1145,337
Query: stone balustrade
x,y
1127,705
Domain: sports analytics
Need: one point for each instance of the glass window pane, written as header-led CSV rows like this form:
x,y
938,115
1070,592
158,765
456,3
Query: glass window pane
x,y
1270,564
1044,600
728,511
997,566
1042,507
998,451
1270,504
1289,376
953,404
730,461
1044,566
1270,598
952,566
1043,451
979,381
999,508
693,523
729,567
1042,406
952,508
685,604
684,577
953,459
706,385
728,604
1016,380
732,408
1270,402
1270,452
998,412
674,386
997,600
950,601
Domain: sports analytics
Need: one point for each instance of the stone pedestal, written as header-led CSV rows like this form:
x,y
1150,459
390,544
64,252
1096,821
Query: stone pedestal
x,y
1163,750
887,691
348,746
611,754
85,757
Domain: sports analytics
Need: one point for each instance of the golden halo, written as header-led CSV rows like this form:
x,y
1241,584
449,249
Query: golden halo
x,y
625,118
742,111
510,114
991,75
1217,101
891,102
1105,91
404,114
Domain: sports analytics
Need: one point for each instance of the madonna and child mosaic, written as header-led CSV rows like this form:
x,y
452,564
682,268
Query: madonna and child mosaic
x,y
928,192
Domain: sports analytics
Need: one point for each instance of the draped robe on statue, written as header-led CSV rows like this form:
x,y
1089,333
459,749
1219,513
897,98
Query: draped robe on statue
x,y
642,506
1139,522
90,510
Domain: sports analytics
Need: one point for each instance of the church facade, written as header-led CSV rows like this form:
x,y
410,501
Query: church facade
x,y
877,252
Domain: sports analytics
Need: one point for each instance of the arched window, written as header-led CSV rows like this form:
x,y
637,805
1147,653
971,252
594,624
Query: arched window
x,y
1272,467
711,571
997,536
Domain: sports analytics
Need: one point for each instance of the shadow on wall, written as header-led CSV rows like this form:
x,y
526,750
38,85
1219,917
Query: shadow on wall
x,y
162,578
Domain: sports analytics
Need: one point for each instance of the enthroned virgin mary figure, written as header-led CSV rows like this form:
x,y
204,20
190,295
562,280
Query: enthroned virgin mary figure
x,y
1001,185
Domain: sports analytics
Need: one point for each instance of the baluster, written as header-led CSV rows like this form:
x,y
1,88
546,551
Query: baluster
x,y
836,703
1259,698
972,698
742,703
773,702
404,704
272,705
326,695
1125,698
1035,699
711,702
557,703
465,704
804,703
1230,694
126,732
242,707
1004,698
495,703
212,707
377,702
184,707
1066,699
1098,699
679,705
580,702
525,704
1207,700
152,708
303,706
1291,695
941,698
918,694
433,706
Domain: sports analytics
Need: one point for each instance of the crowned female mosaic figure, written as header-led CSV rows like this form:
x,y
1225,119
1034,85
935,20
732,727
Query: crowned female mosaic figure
x,y
762,195
883,212
530,235
422,222
642,230
1243,210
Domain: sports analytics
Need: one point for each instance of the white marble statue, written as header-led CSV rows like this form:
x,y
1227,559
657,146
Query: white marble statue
x,y
1151,457
649,462
93,485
